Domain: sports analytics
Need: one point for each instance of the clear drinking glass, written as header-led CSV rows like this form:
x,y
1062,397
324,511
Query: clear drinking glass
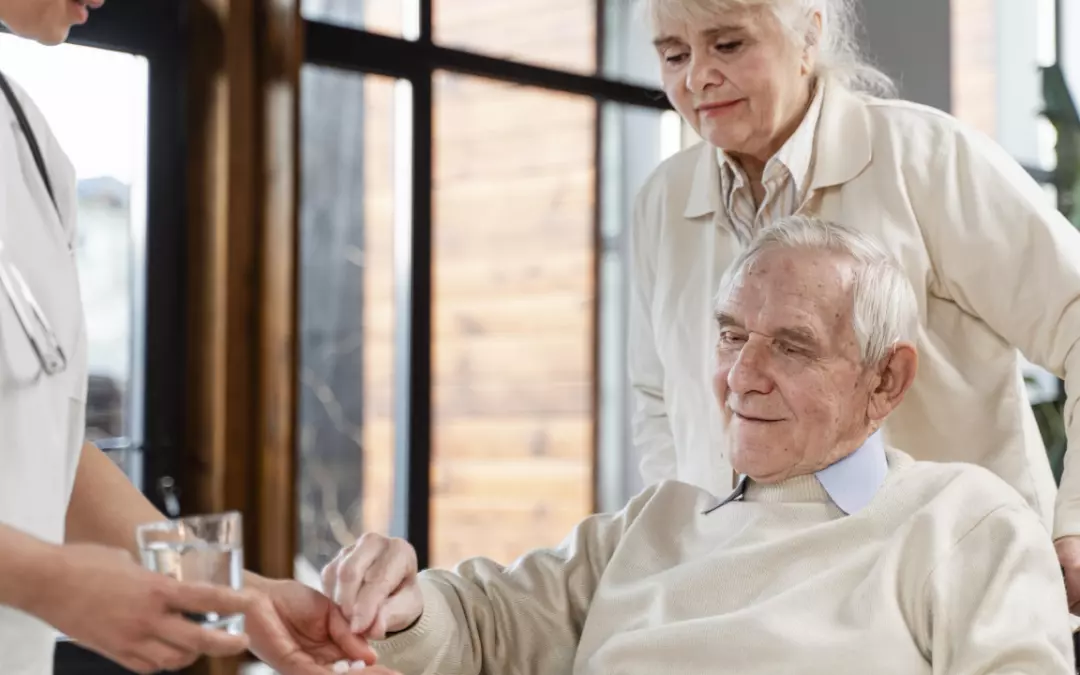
x,y
208,549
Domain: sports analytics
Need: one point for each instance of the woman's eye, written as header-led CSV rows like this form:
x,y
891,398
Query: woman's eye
x,y
674,58
728,47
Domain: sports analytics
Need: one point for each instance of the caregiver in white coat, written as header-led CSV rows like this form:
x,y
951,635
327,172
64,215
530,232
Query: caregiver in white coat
x,y
67,513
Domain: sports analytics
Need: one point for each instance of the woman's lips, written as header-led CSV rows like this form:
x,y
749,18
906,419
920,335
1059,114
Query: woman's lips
x,y
710,109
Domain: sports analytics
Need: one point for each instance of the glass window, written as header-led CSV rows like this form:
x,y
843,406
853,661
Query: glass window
x,y
998,46
96,104
635,141
1069,20
350,196
553,33
389,17
513,326
628,51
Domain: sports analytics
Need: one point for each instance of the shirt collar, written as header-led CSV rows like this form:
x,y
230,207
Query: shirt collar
x,y
842,149
851,482
793,156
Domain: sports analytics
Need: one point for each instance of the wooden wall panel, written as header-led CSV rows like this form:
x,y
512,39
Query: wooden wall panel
x,y
222,255
280,52
244,61
974,63
558,33
379,307
514,291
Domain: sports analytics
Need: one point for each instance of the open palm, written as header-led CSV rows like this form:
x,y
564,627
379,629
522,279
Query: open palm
x,y
298,631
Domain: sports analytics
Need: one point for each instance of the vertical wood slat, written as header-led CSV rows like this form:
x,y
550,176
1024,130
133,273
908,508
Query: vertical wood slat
x,y
222,234
281,56
245,57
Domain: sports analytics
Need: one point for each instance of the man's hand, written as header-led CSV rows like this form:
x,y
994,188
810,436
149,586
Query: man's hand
x,y
297,631
374,583
107,603
1068,550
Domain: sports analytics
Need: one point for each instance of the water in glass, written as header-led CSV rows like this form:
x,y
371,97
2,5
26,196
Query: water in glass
x,y
207,549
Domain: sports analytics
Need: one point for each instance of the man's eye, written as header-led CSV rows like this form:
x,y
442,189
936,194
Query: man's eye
x,y
729,338
788,349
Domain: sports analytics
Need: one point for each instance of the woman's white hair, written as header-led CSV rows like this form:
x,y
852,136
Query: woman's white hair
x,y
885,309
839,56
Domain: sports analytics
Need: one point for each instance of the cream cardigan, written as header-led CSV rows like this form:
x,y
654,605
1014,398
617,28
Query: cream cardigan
x,y
994,266
945,571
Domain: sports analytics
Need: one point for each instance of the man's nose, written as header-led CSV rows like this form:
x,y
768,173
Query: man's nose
x,y
749,373
702,73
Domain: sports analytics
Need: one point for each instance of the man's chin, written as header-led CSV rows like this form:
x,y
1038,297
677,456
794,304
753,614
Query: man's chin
x,y
756,463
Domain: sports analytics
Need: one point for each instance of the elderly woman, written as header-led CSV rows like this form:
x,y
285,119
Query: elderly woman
x,y
785,106
834,555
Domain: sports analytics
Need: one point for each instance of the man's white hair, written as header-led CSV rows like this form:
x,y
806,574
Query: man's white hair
x,y
885,310
839,56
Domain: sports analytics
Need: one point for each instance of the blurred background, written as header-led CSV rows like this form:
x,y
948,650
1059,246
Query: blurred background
x,y
360,265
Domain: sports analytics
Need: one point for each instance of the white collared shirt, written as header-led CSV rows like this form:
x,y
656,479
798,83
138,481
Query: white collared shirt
x,y
851,482
785,178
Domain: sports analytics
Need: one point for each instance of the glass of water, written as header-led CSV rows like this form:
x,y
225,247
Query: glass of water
x,y
207,549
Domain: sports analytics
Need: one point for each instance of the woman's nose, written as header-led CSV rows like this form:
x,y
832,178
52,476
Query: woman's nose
x,y
702,74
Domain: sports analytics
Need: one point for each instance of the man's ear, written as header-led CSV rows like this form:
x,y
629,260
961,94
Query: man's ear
x,y
894,377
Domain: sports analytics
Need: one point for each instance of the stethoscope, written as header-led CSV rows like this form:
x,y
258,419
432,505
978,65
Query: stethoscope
x,y
32,319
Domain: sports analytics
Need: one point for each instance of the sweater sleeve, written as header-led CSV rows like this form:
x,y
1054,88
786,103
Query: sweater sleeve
x,y
483,618
1005,255
997,601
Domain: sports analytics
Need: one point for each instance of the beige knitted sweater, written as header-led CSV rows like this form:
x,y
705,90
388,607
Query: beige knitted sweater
x,y
945,571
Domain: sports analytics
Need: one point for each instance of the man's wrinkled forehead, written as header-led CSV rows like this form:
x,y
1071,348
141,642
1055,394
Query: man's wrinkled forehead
x,y
791,285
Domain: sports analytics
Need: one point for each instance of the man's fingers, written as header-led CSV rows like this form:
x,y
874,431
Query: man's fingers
x,y
354,647
203,598
382,580
353,571
329,574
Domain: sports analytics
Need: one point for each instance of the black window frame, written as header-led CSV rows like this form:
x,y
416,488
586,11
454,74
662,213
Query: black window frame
x,y
157,31
364,52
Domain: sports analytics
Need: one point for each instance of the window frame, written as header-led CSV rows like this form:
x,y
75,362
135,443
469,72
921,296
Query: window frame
x,y
156,32
364,52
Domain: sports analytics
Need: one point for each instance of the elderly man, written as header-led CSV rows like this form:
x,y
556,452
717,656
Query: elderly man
x,y
833,554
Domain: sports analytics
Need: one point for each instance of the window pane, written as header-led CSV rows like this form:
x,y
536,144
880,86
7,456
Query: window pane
x,y
513,318
998,47
553,33
628,51
389,17
96,104
635,141
1069,18
346,309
